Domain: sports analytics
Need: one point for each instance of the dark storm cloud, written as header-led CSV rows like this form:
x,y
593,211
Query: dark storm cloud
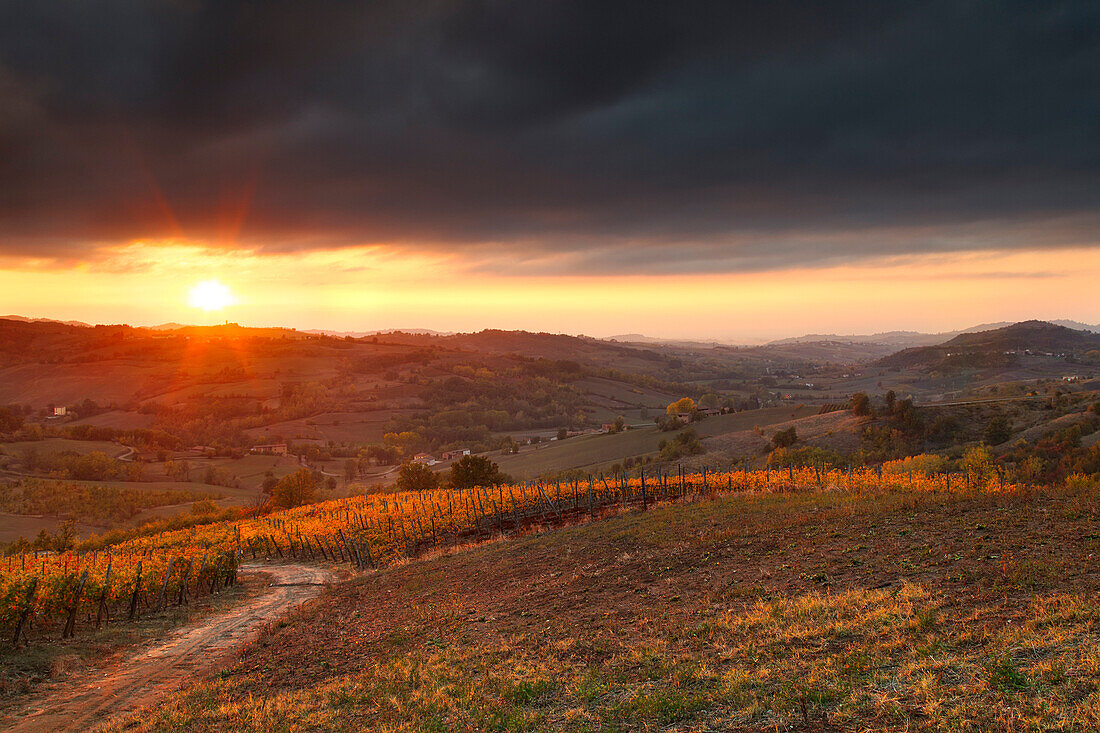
x,y
593,136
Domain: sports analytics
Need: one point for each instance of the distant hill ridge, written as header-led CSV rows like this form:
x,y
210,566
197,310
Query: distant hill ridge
x,y
900,340
24,319
997,347
907,339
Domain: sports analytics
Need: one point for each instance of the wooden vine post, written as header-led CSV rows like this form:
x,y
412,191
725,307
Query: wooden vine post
x,y
102,612
70,622
137,591
161,599
214,575
182,597
28,606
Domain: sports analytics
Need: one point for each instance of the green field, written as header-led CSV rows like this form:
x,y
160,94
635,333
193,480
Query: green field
x,y
597,452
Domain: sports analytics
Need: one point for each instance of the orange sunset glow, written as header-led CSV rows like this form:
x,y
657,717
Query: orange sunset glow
x,y
581,365
380,287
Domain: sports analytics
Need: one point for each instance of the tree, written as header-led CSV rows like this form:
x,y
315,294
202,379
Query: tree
x,y
10,420
684,404
179,470
861,404
666,423
295,489
710,400
978,461
619,425
998,430
563,433
471,471
406,441
417,477
380,454
785,438
891,399
351,469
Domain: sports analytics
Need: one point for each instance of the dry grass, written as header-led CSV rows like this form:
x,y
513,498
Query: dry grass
x,y
809,611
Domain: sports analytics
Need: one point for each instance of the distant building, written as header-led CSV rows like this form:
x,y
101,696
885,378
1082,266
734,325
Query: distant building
x,y
272,449
456,453
60,411
425,459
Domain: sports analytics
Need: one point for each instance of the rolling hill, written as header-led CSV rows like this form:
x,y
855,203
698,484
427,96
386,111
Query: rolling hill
x,y
997,347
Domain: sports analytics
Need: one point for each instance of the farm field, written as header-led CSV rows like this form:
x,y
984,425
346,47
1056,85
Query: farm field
x,y
50,446
14,526
70,383
149,499
597,452
250,469
613,393
798,610
119,420
249,472
339,427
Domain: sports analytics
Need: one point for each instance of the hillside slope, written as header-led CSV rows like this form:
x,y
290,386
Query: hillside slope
x,y
804,611
997,347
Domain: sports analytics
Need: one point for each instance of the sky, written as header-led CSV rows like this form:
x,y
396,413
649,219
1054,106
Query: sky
x,y
684,169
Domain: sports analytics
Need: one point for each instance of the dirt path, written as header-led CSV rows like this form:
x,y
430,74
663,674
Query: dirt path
x,y
158,670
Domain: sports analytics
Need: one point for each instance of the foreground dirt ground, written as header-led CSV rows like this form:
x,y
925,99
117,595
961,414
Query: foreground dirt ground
x,y
822,610
149,675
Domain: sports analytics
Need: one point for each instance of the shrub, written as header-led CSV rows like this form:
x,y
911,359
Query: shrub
x,y
806,456
203,507
684,444
785,438
924,463
998,430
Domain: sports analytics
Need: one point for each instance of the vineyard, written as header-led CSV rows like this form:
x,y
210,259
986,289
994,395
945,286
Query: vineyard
x,y
46,594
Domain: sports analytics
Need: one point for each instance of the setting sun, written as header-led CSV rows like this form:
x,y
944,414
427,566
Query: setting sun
x,y
210,295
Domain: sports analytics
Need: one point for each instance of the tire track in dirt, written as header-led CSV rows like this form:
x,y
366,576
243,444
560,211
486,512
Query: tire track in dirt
x,y
154,672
